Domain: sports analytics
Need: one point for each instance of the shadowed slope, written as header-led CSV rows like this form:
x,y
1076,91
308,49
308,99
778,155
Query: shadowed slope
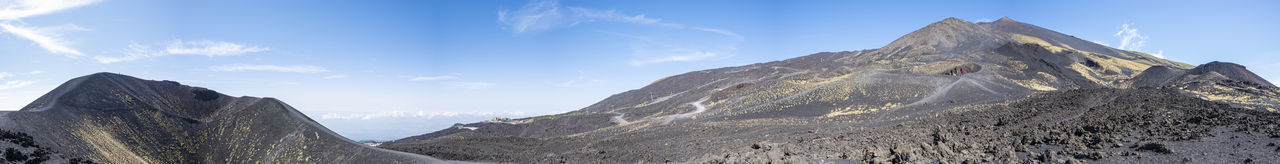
x,y
1230,70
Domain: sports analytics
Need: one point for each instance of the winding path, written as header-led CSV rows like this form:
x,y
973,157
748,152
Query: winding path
x,y
699,108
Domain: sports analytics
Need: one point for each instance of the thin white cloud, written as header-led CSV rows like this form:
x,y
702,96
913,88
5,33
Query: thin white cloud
x,y
430,78
35,72
415,114
15,84
727,33
208,48
533,17
275,68
1130,39
18,9
593,15
686,57
542,15
572,83
680,57
48,38
336,76
471,85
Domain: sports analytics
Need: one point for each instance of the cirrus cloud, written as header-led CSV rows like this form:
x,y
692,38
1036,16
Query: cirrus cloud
x,y
48,38
471,85
267,67
15,84
336,76
544,15
430,78
208,48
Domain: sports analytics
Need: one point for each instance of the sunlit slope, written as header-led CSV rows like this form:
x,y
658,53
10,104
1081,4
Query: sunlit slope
x,y
945,67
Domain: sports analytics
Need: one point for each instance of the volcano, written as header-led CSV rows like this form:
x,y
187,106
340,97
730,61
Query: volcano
x,y
953,91
113,118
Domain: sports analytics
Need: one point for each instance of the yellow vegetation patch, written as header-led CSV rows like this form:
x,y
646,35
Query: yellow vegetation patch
x,y
861,109
1040,84
105,143
1227,94
1017,65
1034,40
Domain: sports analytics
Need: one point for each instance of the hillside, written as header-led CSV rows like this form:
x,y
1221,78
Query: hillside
x,y
878,104
113,118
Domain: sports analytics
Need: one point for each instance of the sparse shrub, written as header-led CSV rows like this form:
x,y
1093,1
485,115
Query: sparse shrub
x,y
79,161
13,155
17,138
36,160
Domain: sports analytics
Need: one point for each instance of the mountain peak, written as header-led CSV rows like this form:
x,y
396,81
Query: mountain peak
x,y
952,20
949,34
1006,19
108,74
949,22
107,91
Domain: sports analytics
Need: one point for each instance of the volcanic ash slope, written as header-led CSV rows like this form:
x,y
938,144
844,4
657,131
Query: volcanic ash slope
x,y
953,91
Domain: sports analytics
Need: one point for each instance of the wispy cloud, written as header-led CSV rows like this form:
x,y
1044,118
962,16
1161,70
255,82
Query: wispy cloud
x,y
48,38
208,48
571,83
18,9
416,114
727,33
275,68
471,85
685,57
35,72
336,76
1130,39
430,78
8,85
543,15
15,84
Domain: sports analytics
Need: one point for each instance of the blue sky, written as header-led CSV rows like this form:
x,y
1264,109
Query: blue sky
x,y
386,70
